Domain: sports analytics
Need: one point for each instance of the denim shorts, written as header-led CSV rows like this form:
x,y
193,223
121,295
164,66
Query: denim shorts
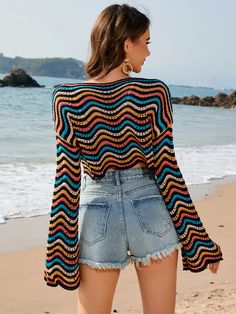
x,y
123,219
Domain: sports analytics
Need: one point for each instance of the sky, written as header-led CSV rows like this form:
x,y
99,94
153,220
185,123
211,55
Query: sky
x,y
192,41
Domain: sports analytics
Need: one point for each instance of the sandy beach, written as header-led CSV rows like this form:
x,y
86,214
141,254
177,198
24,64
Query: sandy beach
x,y
23,290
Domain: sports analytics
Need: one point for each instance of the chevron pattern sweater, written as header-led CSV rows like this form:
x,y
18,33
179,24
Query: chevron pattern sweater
x,y
117,124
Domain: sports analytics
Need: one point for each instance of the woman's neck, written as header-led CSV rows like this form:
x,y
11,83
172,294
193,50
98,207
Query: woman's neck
x,y
113,75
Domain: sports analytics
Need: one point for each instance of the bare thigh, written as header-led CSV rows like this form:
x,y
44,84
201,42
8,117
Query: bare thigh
x,y
157,284
96,290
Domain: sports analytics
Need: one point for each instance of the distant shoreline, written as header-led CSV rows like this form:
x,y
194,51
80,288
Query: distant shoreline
x,y
229,89
57,67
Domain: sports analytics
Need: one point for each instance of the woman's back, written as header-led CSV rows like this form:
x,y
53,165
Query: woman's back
x,y
114,124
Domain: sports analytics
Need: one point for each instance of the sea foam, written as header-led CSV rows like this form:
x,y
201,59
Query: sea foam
x,y
28,188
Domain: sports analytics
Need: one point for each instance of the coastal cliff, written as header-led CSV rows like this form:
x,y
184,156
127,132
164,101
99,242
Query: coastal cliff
x,y
52,67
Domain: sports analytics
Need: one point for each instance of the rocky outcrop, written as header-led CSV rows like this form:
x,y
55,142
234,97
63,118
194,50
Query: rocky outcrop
x,y
220,100
19,78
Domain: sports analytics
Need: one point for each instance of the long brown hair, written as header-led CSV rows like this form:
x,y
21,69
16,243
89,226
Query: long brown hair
x,y
113,26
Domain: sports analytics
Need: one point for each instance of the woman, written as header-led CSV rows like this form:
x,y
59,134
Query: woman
x,y
119,194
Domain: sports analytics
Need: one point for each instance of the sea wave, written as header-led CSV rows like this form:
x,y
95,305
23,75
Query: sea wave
x,y
200,164
27,188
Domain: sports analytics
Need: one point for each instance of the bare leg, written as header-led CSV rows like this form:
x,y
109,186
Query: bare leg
x,y
157,284
96,290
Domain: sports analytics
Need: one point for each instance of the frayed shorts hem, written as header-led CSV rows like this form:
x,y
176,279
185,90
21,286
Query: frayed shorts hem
x,y
139,261
160,255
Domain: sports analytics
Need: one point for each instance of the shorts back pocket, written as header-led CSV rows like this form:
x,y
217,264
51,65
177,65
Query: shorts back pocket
x,y
152,214
93,217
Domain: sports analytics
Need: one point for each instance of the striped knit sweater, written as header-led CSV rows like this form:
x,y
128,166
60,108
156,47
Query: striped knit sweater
x,y
117,124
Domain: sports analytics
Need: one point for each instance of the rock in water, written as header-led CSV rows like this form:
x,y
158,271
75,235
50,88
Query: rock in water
x,y
19,78
220,100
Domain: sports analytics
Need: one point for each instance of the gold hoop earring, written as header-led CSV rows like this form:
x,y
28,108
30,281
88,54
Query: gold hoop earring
x,y
127,67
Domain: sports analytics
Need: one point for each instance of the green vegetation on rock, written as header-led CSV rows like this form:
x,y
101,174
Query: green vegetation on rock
x,y
54,67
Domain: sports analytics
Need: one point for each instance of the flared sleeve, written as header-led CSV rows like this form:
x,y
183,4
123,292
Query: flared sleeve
x,y
61,264
198,249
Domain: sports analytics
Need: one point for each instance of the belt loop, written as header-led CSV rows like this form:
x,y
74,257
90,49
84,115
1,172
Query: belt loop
x,y
83,184
117,177
144,171
85,181
150,173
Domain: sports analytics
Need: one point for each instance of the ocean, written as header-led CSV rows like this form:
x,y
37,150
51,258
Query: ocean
x,y
204,137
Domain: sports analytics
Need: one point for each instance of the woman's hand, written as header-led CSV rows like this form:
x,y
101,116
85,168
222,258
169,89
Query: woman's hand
x,y
214,267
